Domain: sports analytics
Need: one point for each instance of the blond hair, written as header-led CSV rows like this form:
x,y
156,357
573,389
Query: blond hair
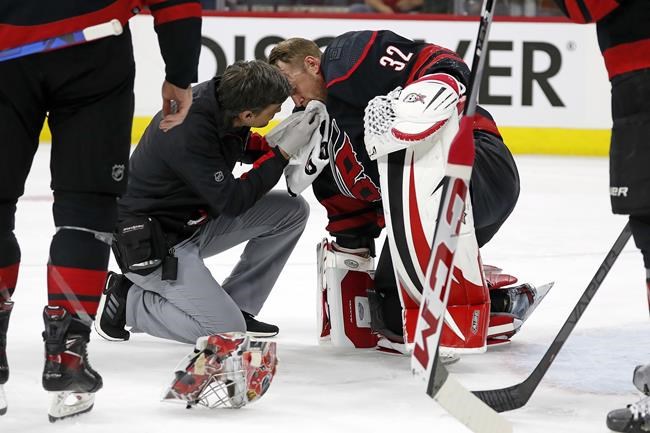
x,y
293,51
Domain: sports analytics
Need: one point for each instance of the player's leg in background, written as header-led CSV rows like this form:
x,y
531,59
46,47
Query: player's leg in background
x,y
91,100
640,225
629,156
629,182
22,113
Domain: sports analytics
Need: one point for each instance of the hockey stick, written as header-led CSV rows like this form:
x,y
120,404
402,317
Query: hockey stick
x,y
98,31
448,392
518,395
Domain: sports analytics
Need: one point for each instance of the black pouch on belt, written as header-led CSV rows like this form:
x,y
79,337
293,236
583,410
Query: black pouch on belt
x,y
139,245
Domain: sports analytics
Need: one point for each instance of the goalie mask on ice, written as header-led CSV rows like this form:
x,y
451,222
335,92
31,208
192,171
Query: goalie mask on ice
x,y
415,114
225,370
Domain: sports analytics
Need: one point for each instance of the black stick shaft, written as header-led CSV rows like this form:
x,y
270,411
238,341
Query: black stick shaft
x,y
518,395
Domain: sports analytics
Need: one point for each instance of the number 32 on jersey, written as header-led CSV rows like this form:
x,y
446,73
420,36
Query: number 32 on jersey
x,y
395,58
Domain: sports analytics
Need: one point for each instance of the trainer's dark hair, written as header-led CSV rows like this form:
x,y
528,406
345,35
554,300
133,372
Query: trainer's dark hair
x,y
253,86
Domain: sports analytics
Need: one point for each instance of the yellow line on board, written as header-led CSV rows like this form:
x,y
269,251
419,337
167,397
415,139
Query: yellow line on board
x,y
557,141
520,140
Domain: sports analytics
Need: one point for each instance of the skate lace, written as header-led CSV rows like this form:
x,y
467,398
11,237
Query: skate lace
x,y
641,409
83,351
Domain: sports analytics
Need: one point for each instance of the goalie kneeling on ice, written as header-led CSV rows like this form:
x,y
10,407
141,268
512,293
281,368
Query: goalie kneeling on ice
x,y
416,113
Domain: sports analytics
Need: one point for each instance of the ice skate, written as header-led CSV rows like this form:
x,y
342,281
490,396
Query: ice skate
x,y
510,308
635,418
5,312
224,370
67,375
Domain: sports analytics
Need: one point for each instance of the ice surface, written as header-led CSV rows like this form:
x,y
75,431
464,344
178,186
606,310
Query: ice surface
x,y
560,231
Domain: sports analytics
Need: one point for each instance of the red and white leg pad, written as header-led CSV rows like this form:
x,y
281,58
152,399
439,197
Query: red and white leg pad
x,y
411,195
465,326
343,311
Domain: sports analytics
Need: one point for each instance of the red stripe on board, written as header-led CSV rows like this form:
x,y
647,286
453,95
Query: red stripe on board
x,y
379,16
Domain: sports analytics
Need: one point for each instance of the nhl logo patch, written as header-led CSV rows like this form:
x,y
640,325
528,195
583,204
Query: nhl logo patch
x,y
218,176
117,173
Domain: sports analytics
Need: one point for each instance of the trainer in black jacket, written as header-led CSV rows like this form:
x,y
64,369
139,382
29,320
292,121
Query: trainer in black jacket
x,y
184,180
184,175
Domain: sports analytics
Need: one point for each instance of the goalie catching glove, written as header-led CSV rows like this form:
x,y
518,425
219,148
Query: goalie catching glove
x,y
414,114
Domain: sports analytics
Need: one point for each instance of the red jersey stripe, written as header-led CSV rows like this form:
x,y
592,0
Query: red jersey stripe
x,y
178,12
357,64
628,57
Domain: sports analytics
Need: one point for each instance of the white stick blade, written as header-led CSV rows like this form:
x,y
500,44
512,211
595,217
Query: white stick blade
x,y
469,410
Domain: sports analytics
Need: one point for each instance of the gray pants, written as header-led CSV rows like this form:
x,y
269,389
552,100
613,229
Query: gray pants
x,y
195,304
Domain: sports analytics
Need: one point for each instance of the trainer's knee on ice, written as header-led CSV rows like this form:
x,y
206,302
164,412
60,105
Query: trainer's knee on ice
x,y
89,210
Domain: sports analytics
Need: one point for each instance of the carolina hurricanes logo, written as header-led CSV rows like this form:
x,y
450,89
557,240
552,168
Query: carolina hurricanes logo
x,y
348,171
414,97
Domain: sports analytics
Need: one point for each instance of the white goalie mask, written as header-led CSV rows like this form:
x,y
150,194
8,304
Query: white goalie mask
x,y
410,115
224,370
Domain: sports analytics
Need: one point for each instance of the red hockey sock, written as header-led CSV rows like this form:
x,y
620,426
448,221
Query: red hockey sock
x,y
76,290
8,279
